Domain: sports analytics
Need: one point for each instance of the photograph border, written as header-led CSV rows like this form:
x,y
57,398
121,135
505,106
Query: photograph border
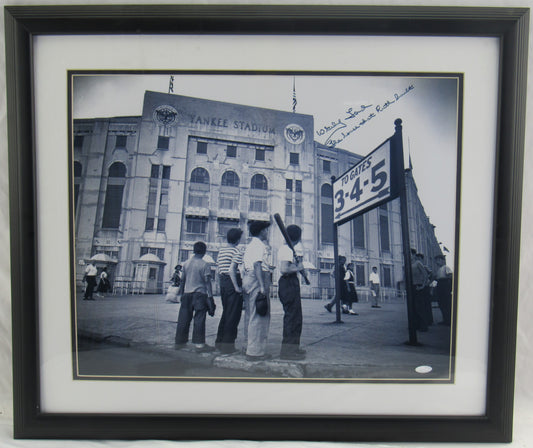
x,y
510,25
459,77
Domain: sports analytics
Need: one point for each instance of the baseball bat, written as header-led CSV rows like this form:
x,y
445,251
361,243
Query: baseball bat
x,y
283,231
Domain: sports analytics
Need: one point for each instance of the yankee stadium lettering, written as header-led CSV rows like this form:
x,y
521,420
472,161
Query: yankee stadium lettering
x,y
218,122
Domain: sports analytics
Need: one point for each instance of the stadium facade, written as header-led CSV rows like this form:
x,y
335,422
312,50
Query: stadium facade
x,y
147,187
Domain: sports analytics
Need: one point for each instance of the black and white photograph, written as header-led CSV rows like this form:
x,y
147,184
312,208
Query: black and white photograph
x,y
264,226
286,223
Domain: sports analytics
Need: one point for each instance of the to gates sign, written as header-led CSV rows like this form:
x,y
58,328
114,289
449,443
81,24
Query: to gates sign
x,y
364,185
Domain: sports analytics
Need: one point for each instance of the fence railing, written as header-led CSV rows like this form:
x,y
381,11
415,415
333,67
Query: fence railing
x,y
124,287
363,294
134,287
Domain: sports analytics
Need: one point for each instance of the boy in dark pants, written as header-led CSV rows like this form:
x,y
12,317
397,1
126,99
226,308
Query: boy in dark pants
x,y
196,300
289,295
230,292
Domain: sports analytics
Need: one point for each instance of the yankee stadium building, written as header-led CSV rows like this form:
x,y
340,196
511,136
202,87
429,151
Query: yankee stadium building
x,y
147,187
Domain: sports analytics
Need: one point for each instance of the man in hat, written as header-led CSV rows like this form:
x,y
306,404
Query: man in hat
x,y
256,284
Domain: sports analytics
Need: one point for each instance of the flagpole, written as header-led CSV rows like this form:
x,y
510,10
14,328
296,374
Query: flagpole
x,y
294,102
171,84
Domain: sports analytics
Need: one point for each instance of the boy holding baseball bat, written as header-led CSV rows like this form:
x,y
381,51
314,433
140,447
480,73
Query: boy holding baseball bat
x,y
289,295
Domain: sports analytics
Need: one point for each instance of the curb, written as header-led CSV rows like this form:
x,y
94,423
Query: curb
x,y
118,341
272,369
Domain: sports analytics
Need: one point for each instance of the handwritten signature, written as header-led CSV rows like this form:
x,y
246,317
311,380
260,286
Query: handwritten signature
x,y
340,129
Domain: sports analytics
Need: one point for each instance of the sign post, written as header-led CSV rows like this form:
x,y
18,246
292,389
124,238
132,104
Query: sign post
x,y
397,142
376,179
336,270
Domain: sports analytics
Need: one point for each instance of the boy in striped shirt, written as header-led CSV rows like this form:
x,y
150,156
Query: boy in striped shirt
x,y
230,291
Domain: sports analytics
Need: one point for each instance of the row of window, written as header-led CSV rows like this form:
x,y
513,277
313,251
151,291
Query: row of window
x,y
158,251
229,200
163,144
121,141
232,151
158,200
231,179
117,169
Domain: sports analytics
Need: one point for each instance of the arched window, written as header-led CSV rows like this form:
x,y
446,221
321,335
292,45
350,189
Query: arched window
x,y
229,191
77,183
326,191
230,179
199,188
114,193
200,176
258,194
259,182
117,170
326,213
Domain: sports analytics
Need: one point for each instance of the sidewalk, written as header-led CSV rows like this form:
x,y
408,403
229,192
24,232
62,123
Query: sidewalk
x,y
370,346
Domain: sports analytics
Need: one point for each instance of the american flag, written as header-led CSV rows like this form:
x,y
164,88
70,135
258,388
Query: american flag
x,y
171,84
294,102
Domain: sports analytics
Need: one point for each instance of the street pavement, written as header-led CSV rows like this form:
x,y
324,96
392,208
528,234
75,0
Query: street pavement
x,y
371,346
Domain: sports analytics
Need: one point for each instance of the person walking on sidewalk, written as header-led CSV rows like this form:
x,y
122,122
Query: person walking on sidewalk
x,y
174,287
351,292
289,295
90,278
374,287
196,300
229,258
103,283
255,286
176,276
346,301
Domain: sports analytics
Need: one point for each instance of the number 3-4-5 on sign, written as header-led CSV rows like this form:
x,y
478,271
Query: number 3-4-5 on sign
x,y
364,185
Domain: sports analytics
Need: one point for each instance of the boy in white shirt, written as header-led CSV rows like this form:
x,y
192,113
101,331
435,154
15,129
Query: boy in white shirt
x,y
256,282
289,295
374,287
90,278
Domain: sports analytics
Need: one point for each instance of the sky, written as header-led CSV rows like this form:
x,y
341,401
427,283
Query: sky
x,y
428,107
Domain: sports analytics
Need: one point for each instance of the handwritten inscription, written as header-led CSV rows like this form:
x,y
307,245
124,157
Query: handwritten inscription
x,y
354,119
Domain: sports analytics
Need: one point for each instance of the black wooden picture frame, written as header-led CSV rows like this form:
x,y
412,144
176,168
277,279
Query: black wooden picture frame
x,y
510,25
